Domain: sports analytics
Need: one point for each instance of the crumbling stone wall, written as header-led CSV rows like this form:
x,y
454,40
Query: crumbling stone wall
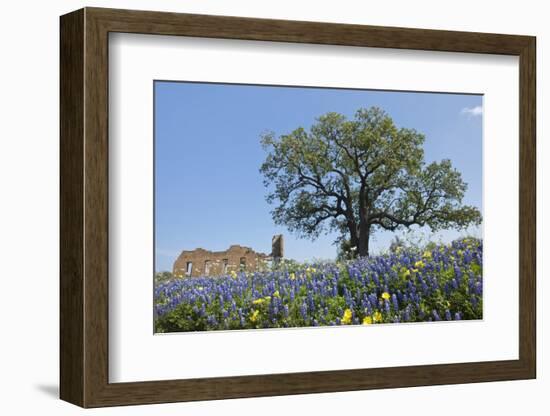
x,y
277,247
201,262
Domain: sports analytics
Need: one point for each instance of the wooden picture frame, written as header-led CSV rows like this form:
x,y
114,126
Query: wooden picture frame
x,y
84,207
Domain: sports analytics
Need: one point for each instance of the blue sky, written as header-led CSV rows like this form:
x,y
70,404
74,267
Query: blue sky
x,y
209,192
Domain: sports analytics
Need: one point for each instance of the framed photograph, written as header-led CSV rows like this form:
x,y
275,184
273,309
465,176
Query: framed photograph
x,y
254,207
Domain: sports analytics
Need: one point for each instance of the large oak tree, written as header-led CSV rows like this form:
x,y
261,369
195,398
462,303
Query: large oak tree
x,y
359,176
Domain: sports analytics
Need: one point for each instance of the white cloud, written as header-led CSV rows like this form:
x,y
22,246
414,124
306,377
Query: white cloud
x,y
472,111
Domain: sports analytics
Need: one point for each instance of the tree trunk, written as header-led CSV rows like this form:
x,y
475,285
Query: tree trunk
x,y
364,225
364,236
354,237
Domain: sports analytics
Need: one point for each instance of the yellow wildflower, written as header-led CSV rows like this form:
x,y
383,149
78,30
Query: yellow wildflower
x,y
254,316
427,255
276,294
292,276
233,274
367,320
386,296
346,319
309,271
414,270
258,301
377,316
419,264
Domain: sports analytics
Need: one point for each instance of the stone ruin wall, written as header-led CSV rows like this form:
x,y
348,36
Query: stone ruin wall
x,y
216,263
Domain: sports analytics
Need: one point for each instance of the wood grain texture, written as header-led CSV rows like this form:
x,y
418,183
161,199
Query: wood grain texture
x,y
71,208
527,208
96,208
84,207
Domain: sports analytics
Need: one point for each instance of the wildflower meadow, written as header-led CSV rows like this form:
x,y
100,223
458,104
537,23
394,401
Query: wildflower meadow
x,y
439,283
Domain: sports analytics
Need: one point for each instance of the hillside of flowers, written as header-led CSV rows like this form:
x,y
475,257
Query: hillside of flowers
x,y
443,283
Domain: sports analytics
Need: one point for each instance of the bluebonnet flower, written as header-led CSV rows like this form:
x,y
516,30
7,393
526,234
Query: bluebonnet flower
x,y
395,302
303,311
407,314
407,281
458,272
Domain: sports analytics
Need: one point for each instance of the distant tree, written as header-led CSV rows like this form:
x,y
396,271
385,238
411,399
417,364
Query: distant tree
x,y
345,250
396,244
163,277
359,176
